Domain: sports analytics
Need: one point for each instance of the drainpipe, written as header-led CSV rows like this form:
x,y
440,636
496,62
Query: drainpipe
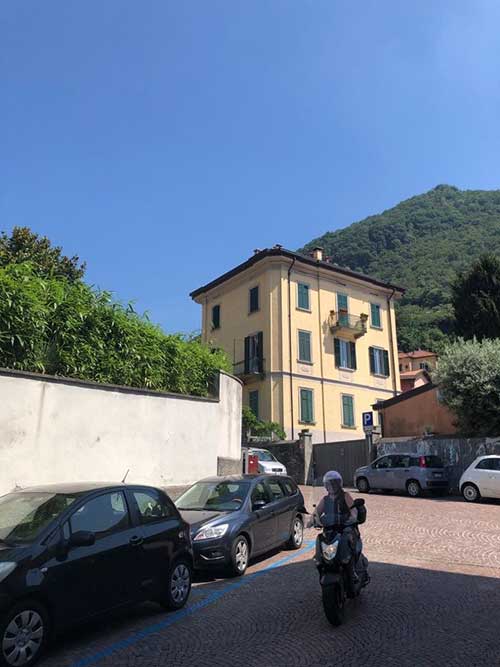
x,y
321,358
290,268
391,343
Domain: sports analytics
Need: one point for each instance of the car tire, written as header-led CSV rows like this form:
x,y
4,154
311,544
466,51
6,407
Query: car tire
x,y
178,588
471,493
28,622
240,556
413,488
297,535
363,485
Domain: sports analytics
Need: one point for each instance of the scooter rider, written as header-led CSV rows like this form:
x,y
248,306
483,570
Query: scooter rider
x,y
339,505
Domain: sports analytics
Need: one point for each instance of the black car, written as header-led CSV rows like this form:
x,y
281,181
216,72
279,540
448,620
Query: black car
x,y
71,552
235,518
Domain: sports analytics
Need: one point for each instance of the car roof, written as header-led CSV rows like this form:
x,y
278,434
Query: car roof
x,y
258,449
489,456
75,487
237,478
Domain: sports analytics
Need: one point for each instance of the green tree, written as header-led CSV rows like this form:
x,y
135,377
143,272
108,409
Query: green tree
x,y
53,325
23,245
468,376
256,427
476,300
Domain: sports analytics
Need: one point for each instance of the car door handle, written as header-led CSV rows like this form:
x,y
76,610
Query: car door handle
x,y
136,540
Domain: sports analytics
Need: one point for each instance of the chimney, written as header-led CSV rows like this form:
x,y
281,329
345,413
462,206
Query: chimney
x,y
317,253
256,251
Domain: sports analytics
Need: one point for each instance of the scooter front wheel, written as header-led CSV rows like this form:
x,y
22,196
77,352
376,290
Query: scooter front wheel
x,y
334,604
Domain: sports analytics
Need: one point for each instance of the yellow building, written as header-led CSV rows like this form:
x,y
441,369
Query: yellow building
x,y
314,343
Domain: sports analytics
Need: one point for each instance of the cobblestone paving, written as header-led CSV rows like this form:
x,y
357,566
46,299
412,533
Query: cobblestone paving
x,y
434,599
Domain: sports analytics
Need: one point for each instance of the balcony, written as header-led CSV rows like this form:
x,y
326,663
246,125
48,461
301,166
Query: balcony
x,y
252,369
349,326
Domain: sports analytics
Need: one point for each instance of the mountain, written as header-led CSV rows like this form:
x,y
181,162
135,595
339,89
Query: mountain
x,y
421,244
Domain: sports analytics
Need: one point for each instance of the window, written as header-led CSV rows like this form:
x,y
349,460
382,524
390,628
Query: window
x,y
489,464
303,296
403,461
152,506
254,362
379,362
260,493
305,346
345,354
103,515
254,299
400,368
343,308
216,317
275,489
289,487
384,462
424,366
348,411
253,401
375,316
306,406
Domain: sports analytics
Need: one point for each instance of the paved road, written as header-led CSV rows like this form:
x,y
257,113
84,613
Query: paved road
x,y
434,599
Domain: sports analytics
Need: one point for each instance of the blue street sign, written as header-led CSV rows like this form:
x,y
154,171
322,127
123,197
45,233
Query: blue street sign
x,y
368,420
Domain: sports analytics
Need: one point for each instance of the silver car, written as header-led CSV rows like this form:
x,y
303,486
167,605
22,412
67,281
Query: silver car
x,y
404,472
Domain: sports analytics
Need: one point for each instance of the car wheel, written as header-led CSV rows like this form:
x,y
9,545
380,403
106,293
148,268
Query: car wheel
x,y
178,585
240,555
362,485
414,489
297,534
471,493
24,633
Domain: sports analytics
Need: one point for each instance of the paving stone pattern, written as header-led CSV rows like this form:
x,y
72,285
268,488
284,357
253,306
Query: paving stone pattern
x,y
434,599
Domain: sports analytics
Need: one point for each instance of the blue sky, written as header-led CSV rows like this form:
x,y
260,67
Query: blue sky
x,y
163,141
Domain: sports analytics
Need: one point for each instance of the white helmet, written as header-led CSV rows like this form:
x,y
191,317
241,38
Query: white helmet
x,y
333,481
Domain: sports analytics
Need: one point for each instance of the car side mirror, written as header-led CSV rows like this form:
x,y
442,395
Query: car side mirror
x,y
83,538
359,502
258,505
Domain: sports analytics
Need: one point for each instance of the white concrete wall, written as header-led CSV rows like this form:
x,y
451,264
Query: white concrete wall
x,y
52,431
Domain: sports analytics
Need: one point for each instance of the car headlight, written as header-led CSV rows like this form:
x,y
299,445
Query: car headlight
x,y
329,550
6,569
211,532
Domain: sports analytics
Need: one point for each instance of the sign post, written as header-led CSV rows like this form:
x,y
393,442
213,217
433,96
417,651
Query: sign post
x,y
368,429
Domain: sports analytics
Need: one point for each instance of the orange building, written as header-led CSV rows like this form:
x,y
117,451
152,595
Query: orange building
x,y
415,413
414,368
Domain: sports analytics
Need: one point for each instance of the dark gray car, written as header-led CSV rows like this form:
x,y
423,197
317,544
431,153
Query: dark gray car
x,y
234,518
404,472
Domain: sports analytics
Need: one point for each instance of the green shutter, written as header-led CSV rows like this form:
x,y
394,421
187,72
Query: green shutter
x,y
342,301
216,317
347,411
387,369
303,296
306,407
352,356
253,399
375,313
336,346
372,361
304,346
254,299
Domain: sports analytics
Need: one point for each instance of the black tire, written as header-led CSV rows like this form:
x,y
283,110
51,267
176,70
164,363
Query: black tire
x,y
333,605
178,587
28,621
297,535
240,556
363,485
471,493
413,488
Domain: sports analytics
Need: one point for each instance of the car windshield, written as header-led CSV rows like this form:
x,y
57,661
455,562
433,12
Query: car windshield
x,y
24,515
215,496
265,456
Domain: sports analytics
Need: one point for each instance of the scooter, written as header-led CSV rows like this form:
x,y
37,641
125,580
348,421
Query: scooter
x,y
341,565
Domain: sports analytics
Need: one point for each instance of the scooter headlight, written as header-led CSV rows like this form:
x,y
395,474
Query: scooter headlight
x,y
329,551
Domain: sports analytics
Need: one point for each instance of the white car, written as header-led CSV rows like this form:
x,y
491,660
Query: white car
x,y
268,463
481,479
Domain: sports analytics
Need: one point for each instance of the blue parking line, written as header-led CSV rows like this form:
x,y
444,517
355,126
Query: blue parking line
x,y
187,611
